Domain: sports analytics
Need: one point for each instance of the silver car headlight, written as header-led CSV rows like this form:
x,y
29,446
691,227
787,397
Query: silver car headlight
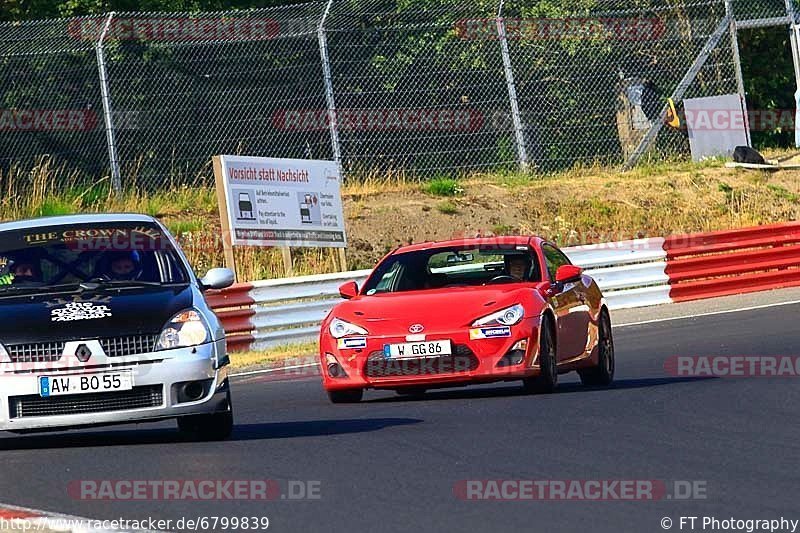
x,y
505,317
339,328
185,329
4,357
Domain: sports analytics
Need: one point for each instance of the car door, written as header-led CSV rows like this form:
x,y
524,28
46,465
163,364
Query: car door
x,y
571,308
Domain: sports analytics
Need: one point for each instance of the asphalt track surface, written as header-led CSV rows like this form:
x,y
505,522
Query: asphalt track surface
x,y
390,464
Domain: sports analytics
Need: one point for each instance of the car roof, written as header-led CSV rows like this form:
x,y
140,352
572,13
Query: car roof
x,y
513,240
67,220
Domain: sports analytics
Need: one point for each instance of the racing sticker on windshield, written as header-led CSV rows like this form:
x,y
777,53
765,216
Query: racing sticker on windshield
x,y
77,309
489,333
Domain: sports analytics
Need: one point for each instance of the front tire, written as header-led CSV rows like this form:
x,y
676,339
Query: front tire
x,y
603,374
547,380
211,427
346,396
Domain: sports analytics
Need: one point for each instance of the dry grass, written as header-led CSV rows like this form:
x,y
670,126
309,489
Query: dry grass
x,y
303,352
585,204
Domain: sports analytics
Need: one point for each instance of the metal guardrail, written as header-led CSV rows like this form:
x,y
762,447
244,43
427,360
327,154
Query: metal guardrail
x,y
284,311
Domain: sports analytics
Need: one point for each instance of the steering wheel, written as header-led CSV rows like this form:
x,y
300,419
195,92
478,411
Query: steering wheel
x,y
503,278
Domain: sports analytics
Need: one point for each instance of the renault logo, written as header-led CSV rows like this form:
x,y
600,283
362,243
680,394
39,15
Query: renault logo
x,y
416,328
83,353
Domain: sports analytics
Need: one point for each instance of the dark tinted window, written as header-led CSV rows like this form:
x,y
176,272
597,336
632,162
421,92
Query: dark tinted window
x,y
450,267
63,255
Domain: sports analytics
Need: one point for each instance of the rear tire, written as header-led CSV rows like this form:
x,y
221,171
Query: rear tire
x,y
547,380
211,427
603,373
346,396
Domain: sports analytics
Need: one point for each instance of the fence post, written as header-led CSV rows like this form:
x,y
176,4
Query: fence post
x,y
329,97
106,97
737,66
522,153
794,44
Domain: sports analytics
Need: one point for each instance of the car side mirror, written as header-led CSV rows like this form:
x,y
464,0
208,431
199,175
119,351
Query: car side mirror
x,y
217,278
348,290
568,274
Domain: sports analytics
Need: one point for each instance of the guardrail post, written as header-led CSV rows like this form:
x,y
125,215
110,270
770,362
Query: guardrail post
x,y
522,153
333,125
105,94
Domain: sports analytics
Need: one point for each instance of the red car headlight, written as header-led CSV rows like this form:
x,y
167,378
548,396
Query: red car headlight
x,y
339,328
505,317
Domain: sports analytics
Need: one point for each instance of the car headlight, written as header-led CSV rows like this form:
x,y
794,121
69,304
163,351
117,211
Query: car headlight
x,y
505,317
187,328
339,328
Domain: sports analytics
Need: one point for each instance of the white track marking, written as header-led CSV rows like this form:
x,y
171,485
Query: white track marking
x,y
268,370
710,313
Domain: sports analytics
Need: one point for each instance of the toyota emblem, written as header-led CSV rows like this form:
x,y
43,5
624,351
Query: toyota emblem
x,y
416,328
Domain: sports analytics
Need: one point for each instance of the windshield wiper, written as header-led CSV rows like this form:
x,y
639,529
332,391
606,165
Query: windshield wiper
x,y
8,290
96,283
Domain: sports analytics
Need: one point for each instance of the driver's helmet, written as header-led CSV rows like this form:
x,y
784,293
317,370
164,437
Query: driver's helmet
x,y
122,266
25,268
512,260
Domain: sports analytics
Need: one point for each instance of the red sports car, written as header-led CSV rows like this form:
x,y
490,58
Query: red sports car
x,y
467,311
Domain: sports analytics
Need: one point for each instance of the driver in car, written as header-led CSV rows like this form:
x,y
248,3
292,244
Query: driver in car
x,y
23,270
123,266
517,266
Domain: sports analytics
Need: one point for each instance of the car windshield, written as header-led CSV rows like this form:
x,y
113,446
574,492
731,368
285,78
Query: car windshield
x,y
452,267
56,257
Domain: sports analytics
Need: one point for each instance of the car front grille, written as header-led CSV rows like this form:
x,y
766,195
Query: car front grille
x,y
462,360
96,402
36,352
128,345
49,352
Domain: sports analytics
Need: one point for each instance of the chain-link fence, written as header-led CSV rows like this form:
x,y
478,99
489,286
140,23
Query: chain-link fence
x,y
421,87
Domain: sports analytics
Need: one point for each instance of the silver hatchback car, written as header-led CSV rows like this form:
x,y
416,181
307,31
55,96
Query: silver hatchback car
x,y
104,322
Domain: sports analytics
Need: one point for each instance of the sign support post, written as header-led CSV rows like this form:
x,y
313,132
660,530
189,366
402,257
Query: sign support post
x,y
222,201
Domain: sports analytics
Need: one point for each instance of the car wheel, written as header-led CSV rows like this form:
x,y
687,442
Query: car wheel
x,y
215,426
547,380
603,373
346,396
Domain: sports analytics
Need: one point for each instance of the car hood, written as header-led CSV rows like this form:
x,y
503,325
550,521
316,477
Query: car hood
x,y
90,315
434,309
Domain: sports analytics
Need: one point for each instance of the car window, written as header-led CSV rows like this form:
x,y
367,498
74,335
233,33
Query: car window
x,y
452,267
554,259
44,257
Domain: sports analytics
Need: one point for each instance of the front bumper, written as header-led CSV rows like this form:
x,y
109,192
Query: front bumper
x,y
475,360
164,370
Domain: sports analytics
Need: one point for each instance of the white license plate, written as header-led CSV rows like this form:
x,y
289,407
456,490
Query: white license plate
x,y
85,383
410,350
